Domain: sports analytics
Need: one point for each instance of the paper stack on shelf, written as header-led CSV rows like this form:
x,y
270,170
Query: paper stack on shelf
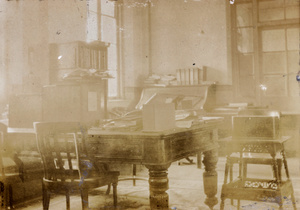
x,y
160,80
81,74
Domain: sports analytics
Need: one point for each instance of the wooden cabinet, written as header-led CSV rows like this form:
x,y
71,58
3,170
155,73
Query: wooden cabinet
x,y
83,101
71,56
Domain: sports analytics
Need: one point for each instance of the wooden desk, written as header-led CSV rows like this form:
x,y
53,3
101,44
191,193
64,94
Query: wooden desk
x,y
157,150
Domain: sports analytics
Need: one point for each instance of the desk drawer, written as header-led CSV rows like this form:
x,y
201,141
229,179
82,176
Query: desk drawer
x,y
115,148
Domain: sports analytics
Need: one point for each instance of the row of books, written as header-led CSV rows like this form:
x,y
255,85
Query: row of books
x,y
191,76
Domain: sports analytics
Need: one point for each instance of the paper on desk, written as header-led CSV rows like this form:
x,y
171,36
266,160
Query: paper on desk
x,y
184,123
181,114
211,118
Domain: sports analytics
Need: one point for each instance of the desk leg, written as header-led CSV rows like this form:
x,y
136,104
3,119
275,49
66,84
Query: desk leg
x,y
210,177
158,185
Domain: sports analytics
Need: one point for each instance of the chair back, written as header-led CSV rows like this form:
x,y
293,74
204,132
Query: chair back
x,y
62,149
3,132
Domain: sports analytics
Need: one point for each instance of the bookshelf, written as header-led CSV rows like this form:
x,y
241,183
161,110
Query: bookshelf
x,y
77,55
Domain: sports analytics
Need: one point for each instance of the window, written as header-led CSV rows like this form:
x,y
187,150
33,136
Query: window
x,y
102,26
265,49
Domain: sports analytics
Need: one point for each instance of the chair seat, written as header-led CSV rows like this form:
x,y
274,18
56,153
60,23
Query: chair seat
x,y
10,178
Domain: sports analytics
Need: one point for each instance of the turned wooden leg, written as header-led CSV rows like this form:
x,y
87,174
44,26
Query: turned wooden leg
x,y
222,203
46,197
158,184
210,177
10,197
108,189
84,198
2,196
67,199
133,174
115,196
199,160
285,164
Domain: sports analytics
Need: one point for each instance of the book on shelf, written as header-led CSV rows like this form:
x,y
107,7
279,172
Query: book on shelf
x,y
191,76
195,76
187,76
178,77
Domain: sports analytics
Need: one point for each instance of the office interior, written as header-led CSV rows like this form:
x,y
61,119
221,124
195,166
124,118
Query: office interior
x,y
99,61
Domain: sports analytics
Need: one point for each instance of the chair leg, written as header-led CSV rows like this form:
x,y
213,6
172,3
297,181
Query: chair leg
x,y
46,197
280,202
84,198
108,189
231,179
10,197
68,199
222,204
5,198
293,200
133,174
199,160
115,197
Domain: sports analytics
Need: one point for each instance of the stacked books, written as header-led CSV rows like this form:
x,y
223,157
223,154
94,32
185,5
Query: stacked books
x,y
191,76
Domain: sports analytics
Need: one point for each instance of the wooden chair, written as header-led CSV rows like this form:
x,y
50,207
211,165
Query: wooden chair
x,y
67,165
7,176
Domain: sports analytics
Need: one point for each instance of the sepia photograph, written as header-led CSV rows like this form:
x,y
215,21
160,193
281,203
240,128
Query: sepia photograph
x,y
150,104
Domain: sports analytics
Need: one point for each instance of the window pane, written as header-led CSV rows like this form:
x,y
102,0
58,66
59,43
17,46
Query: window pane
x,y
92,5
108,29
274,63
92,26
246,65
292,12
276,85
112,55
267,4
107,8
244,14
113,84
273,40
245,40
293,63
292,2
271,14
246,78
293,38
293,85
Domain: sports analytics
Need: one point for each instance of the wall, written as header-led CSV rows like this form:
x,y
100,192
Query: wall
x,y
178,33
67,21
162,36
134,40
187,33
3,14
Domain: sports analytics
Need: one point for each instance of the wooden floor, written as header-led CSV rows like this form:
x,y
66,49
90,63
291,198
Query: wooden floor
x,y
185,191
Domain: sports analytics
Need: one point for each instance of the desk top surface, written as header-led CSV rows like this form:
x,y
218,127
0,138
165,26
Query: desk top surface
x,y
282,140
98,130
